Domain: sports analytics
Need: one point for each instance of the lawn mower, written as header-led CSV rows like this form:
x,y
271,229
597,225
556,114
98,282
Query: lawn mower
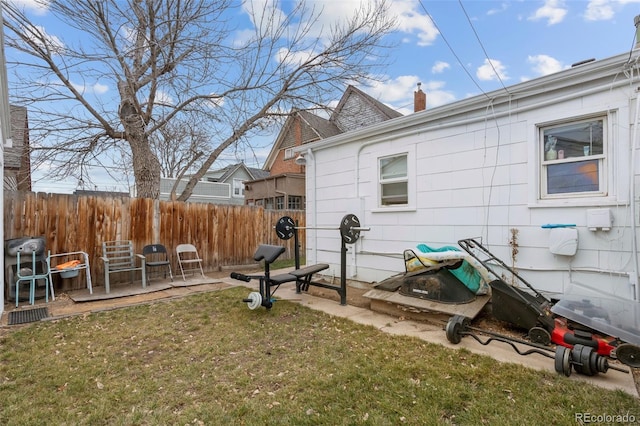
x,y
581,328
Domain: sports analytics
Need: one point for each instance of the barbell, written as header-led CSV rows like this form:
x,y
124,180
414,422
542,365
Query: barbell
x,y
349,228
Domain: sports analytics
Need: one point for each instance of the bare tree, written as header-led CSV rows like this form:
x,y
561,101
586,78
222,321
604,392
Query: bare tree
x,y
173,59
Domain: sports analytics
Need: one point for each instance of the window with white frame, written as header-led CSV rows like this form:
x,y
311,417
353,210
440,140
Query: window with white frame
x,y
238,188
574,158
393,180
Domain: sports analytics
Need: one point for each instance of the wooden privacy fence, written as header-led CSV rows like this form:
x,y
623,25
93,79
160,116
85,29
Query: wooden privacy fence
x,y
224,235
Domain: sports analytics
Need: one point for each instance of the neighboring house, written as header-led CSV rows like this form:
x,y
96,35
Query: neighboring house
x,y
224,186
17,161
284,187
559,149
96,193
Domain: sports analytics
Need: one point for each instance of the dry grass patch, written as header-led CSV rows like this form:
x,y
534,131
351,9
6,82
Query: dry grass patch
x,y
207,359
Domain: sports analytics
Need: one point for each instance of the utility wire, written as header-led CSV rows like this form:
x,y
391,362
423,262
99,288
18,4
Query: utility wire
x,y
486,55
451,49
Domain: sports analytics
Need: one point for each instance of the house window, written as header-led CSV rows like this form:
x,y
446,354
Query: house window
x,y
238,188
295,202
573,159
393,180
279,203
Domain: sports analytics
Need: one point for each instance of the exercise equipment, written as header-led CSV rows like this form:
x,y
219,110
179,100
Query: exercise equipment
x,y
287,228
349,228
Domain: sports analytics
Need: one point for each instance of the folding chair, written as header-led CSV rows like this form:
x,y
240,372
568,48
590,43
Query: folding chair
x,y
157,257
189,260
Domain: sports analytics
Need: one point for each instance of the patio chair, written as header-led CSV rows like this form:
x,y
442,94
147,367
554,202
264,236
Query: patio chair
x,y
157,258
32,271
189,260
118,256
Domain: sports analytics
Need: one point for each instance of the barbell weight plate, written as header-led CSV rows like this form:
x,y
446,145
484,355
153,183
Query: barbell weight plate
x,y
348,234
563,360
285,228
255,300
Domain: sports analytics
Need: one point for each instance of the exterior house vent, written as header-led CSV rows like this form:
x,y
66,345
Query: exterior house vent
x,y
288,154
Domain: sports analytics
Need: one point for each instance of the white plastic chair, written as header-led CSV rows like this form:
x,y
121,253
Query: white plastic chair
x,y
189,260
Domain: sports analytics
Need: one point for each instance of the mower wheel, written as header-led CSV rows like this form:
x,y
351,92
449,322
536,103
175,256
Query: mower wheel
x,y
628,354
455,326
563,360
540,336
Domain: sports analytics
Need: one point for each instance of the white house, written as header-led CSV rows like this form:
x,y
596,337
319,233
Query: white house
x,y
559,149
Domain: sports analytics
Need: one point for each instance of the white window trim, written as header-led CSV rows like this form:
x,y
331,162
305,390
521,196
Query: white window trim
x,y
237,183
602,162
410,152
615,191
288,153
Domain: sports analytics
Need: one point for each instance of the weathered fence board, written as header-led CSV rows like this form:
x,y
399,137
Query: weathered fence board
x,y
224,235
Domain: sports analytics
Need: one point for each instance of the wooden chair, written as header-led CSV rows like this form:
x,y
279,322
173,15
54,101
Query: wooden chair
x,y
189,260
118,256
156,256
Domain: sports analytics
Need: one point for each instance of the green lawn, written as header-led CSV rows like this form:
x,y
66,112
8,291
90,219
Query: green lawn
x,y
208,360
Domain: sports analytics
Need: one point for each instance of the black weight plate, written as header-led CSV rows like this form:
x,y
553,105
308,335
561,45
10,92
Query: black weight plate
x,y
628,354
563,360
348,234
285,228
576,355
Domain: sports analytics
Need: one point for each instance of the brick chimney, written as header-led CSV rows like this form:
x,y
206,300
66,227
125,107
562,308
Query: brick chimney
x,y
419,100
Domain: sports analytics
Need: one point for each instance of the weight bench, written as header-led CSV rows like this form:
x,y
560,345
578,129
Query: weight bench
x,y
269,253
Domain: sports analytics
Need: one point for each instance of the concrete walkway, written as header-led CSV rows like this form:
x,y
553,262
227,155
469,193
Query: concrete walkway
x,y
81,302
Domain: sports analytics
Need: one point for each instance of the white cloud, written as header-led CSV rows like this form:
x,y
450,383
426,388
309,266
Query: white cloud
x,y
492,69
436,95
553,11
544,64
38,7
328,13
503,7
411,21
287,57
439,67
100,89
52,42
395,90
398,92
97,88
163,98
599,10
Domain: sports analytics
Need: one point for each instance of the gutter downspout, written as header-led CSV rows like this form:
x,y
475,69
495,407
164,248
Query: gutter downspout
x,y
632,176
632,198
311,159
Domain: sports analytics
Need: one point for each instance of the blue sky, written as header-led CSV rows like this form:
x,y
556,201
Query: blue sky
x,y
458,49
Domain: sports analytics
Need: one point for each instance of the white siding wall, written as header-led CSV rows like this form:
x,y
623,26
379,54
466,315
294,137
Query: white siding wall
x,y
476,179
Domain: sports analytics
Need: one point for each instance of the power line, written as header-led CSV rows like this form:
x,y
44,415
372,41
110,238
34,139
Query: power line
x,y
451,49
482,46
